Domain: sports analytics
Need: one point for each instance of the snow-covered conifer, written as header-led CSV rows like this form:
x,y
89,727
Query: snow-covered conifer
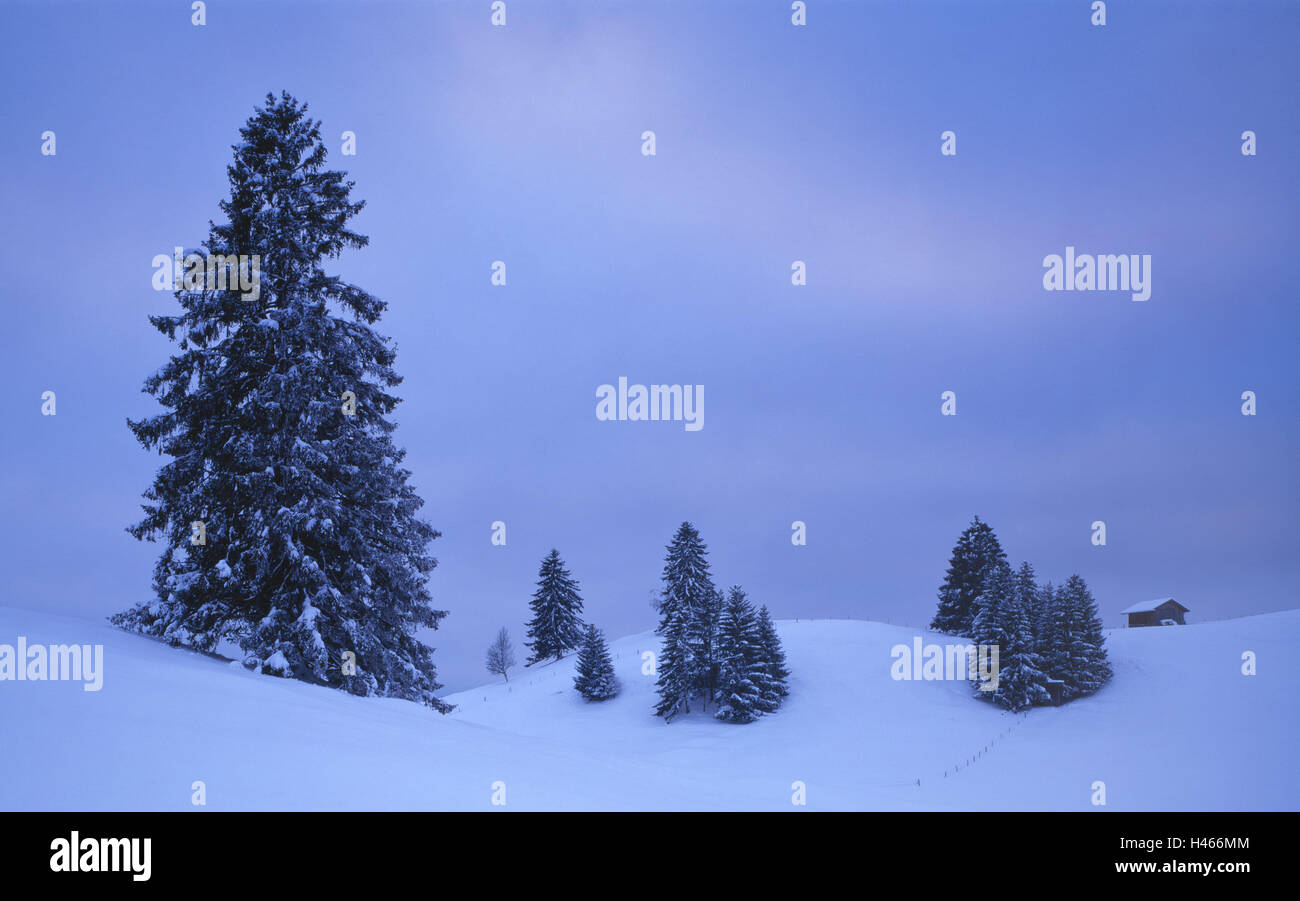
x,y
688,594
1084,664
595,679
556,626
741,670
704,639
1040,618
774,686
1002,622
276,423
977,551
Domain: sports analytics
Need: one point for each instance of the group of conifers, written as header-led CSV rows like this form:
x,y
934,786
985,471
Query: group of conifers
x,y
715,649
1045,635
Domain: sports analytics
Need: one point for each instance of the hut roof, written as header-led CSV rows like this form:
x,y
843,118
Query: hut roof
x,y
1150,606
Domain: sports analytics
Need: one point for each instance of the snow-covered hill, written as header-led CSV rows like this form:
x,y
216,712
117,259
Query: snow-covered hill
x,y
1179,728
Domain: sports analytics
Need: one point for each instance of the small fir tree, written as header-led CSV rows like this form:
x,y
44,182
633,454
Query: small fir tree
x,y
556,627
595,679
742,669
774,687
976,553
688,593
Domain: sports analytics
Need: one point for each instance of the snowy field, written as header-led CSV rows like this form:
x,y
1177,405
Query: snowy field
x,y
1179,728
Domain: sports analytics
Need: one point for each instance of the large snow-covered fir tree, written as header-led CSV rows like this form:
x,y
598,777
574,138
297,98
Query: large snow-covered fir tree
x,y
977,551
289,523
774,684
688,596
1002,622
742,671
594,678
556,627
1076,654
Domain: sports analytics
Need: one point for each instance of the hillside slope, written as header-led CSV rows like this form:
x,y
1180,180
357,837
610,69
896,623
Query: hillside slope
x,y
1179,728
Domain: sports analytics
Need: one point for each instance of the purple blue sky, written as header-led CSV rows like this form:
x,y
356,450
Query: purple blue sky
x,y
775,144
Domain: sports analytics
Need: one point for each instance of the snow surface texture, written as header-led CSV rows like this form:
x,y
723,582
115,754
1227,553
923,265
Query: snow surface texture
x,y
1179,728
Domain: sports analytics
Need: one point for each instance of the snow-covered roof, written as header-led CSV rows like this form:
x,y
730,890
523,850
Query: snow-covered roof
x,y
1149,606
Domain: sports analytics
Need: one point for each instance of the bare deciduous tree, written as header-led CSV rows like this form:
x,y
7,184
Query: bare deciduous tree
x,y
501,654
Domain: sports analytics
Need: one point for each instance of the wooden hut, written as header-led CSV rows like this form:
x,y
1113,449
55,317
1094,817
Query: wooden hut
x,y
1160,612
